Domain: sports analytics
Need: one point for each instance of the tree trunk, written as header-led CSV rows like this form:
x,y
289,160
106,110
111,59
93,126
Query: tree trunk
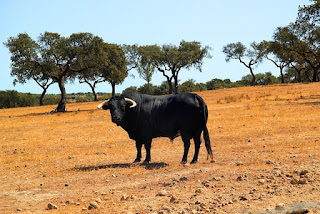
x,y
307,75
299,76
148,87
94,93
281,74
42,96
315,75
253,81
113,85
170,86
62,104
95,98
176,86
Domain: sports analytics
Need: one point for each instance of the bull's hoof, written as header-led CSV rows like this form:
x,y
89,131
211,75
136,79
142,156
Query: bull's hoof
x,y
145,162
136,161
183,162
193,162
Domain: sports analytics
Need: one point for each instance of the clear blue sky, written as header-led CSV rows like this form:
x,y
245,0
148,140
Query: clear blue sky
x,y
144,22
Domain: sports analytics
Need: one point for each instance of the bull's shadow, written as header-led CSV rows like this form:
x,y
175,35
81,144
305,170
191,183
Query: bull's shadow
x,y
150,166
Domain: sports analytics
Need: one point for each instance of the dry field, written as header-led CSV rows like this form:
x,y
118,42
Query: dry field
x,y
265,142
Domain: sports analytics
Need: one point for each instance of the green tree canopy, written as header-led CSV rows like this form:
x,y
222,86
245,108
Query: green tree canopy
x,y
56,57
170,59
25,58
145,65
115,70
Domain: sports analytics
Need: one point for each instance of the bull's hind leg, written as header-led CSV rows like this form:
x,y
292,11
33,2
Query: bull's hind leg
x,y
138,146
186,142
197,143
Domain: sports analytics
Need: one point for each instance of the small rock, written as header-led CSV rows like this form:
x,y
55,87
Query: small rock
x,y
69,202
77,203
239,163
98,200
69,157
101,153
294,181
277,171
216,179
173,199
303,172
165,184
269,162
298,211
84,209
184,178
242,198
162,193
66,185
262,181
124,197
19,210
175,180
242,178
44,175
303,181
132,197
165,208
206,183
198,191
52,206
280,206
93,205
113,175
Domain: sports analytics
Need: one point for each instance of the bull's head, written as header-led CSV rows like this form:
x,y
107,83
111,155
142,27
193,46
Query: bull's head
x,y
117,106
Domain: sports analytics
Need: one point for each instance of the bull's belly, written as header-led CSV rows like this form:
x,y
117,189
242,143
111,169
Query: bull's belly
x,y
172,134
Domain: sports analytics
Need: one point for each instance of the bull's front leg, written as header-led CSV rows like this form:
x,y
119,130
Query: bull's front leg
x,y
147,146
138,146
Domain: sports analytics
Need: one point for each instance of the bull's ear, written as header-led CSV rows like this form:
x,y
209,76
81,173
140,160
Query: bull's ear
x,y
104,105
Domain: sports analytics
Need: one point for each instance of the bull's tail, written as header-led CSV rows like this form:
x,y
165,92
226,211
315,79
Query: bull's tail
x,y
207,143
205,129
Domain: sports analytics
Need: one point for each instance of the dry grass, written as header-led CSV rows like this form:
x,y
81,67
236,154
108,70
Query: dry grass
x,y
42,152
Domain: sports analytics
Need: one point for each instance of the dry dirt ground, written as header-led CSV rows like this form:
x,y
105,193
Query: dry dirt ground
x,y
265,142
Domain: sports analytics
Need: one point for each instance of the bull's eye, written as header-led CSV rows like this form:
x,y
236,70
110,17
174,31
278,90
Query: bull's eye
x,y
122,107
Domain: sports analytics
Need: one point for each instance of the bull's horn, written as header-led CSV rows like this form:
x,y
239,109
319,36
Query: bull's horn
x,y
102,104
133,103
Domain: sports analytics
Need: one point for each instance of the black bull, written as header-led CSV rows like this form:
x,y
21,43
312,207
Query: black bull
x,y
145,117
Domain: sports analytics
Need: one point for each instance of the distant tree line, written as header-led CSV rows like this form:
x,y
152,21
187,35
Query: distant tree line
x,y
10,99
54,59
83,56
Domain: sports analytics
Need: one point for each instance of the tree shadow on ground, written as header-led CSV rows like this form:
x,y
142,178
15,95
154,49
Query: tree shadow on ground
x,y
149,166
